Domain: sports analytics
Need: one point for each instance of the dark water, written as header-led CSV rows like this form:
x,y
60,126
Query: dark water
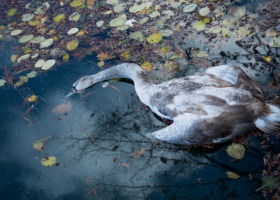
x,y
98,147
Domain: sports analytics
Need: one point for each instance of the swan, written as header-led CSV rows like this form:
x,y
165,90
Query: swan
x,y
211,107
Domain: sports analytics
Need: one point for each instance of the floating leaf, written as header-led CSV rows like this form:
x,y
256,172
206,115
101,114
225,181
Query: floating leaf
x,y
112,2
100,63
204,11
46,43
42,9
34,23
38,145
232,175
138,35
147,66
73,31
275,42
144,20
75,16
225,32
199,26
37,39
154,14
25,38
23,57
31,74
206,20
238,12
81,33
137,7
99,23
166,32
48,64
267,58
154,38
58,18
22,80
103,56
14,58
241,32
27,17
32,98
16,32
48,161
270,183
201,54
11,12
120,20
65,57
119,7
2,82
125,54
190,7
236,151
77,3
39,63
72,45
164,50
62,108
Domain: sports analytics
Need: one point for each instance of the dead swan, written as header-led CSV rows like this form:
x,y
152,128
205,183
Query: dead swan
x,y
214,106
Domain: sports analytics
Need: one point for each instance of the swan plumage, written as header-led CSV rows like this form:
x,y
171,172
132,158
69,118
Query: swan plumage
x,y
213,106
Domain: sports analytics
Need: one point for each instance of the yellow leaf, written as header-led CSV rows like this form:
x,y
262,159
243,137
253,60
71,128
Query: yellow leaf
x,y
65,57
81,33
267,58
11,12
48,161
34,23
125,54
32,98
232,175
100,63
164,49
58,18
77,3
199,26
154,38
39,144
236,151
147,66
72,45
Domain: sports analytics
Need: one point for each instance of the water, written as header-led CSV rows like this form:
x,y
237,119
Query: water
x,y
100,146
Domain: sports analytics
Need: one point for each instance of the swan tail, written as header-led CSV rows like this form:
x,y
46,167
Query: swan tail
x,y
269,123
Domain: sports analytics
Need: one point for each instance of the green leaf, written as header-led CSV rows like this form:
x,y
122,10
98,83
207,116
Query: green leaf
x,y
269,182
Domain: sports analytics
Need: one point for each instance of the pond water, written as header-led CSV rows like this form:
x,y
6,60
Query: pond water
x,y
98,137
101,149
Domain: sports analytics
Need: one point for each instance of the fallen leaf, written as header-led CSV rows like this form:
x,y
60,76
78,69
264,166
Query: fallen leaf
x,y
103,56
270,183
154,38
32,98
236,151
48,161
147,66
39,144
72,45
232,175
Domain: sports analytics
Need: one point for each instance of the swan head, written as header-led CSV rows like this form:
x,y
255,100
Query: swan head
x,y
83,83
